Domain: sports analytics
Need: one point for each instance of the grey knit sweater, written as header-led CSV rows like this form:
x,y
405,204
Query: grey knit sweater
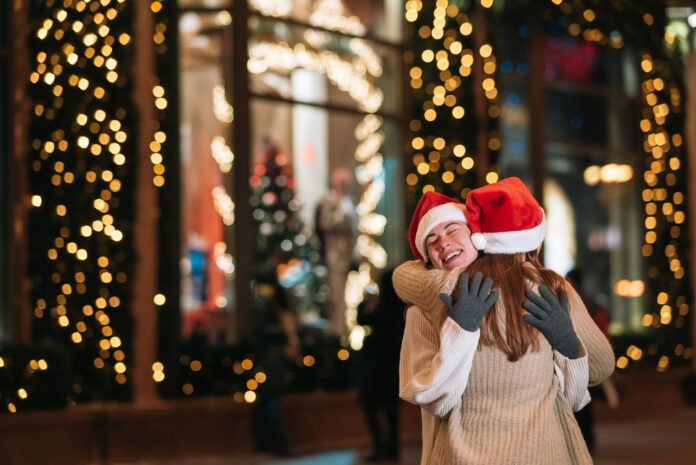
x,y
479,408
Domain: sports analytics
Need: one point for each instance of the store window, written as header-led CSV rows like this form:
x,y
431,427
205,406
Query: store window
x,y
592,155
325,106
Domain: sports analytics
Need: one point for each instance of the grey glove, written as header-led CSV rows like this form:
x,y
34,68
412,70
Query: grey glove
x,y
473,302
551,317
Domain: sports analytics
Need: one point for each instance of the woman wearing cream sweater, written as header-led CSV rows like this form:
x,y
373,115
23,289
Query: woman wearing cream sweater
x,y
491,389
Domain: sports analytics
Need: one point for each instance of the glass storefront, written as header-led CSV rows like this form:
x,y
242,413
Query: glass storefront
x,y
591,150
325,108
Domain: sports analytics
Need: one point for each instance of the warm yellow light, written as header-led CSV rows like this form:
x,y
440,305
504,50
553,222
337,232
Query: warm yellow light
x,y
159,299
646,65
647,320
466,28
196,365
36,200
621,362
308,360
663,363
491,177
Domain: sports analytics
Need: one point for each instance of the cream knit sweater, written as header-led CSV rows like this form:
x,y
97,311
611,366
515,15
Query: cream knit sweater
x,y
479,408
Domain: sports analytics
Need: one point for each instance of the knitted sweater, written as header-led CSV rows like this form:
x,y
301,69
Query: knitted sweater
x,y
479,408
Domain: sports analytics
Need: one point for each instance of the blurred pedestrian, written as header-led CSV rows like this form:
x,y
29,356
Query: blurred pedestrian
x,y
277,346
379,374
607,389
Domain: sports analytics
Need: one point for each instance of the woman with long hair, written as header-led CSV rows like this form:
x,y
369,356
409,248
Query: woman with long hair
x,y
499,368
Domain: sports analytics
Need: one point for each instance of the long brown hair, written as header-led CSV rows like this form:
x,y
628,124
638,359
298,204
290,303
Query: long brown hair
x,y
512,276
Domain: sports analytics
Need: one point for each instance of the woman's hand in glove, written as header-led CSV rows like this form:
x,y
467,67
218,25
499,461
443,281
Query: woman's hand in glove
x,y
473,302
550,316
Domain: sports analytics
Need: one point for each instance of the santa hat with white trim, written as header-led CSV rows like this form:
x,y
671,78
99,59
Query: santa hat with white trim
x,y
432,209
505,218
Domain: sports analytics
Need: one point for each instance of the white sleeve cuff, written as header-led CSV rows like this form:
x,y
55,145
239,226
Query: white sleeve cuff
x,y
451,367
574,376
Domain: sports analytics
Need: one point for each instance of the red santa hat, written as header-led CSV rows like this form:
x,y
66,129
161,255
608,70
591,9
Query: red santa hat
x,y
505,218
432,209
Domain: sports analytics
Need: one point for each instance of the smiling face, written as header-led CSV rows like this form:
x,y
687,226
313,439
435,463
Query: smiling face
x,y
449,246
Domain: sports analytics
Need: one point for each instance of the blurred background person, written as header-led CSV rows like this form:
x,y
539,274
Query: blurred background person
x,y
379,374
607,389
336,224
277,345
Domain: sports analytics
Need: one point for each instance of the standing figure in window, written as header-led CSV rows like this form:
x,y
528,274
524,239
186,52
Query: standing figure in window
x,y
336,228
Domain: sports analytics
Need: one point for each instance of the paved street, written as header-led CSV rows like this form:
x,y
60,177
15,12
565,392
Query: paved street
x,y
661,437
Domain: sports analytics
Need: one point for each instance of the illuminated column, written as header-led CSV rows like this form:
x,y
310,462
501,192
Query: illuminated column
x,y
392,19
21,313
310,141
690,132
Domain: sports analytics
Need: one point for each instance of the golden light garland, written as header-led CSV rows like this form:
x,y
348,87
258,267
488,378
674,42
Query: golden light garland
x,y
659,144
98,134
340,71
444,101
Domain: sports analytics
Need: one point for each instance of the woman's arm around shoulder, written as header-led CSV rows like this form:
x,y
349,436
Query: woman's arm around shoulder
x,y
415,284
435,362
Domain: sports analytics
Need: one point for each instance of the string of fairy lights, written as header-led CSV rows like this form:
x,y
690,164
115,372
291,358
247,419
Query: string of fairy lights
x,y
660,100
79,183
442,78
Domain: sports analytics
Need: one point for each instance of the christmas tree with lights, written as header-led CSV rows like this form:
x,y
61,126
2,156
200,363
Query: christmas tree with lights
x,y
286,249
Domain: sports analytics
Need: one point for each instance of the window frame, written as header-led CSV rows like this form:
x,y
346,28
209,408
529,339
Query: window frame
x,y
241,132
